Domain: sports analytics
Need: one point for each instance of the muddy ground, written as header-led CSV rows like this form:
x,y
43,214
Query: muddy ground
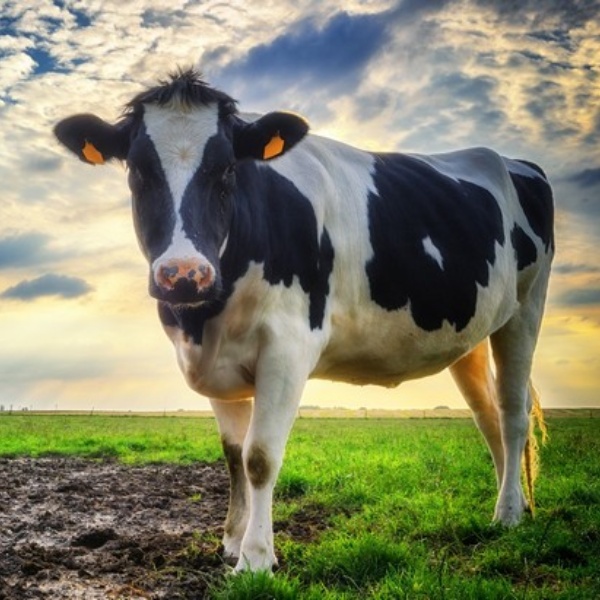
x,y
80,529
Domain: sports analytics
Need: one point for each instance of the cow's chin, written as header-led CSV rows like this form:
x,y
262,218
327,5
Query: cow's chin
x,y
184,295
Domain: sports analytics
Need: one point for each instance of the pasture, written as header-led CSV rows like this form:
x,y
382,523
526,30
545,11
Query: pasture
x,y
365,508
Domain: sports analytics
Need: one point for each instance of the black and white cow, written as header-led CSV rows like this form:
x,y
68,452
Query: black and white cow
x,y
276,256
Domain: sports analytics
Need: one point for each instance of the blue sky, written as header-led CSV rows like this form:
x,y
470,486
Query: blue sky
x,y
78,329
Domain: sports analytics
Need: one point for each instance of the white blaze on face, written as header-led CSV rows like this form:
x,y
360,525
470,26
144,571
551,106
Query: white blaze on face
x,y
433,251
179,136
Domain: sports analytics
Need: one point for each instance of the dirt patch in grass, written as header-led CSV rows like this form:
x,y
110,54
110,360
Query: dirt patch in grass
x,y
72,528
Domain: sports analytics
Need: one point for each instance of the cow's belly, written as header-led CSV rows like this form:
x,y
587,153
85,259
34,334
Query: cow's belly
x,y
375,346
386,361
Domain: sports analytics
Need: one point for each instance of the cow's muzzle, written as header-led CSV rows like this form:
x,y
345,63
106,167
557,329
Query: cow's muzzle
x,y
182,281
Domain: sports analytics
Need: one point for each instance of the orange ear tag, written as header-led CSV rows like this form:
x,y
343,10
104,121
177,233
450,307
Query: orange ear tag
x,y
92,154
274,147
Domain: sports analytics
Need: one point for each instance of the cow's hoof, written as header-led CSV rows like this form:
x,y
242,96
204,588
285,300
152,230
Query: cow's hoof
x,y
231,549
510,508
257,561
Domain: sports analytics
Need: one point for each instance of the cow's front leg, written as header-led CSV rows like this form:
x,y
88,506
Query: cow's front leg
x,y
279,387
233,418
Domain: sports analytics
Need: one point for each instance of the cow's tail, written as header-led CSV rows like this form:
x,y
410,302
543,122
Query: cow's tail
x,y
531,462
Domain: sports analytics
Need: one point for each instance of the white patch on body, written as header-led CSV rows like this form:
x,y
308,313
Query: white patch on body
x,y
433,251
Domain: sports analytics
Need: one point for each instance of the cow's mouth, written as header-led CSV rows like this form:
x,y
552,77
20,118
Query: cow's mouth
x,y
184,294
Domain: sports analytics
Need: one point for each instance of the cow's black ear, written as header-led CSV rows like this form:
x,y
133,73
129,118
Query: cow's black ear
x,y
270,136
93,140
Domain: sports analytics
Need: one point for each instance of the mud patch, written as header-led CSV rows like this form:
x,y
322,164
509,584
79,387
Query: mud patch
x,y
73,528
80,529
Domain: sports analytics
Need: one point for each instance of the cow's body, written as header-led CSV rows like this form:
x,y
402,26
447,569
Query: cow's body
x,y
348,332
335,263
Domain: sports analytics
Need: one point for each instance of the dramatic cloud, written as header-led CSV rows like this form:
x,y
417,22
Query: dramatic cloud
x,y
333,55
48,285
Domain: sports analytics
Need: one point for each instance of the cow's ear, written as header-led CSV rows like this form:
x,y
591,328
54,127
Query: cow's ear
x,y
93,140
270,136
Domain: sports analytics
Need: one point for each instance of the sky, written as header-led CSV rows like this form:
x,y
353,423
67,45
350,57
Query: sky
x,y
77,328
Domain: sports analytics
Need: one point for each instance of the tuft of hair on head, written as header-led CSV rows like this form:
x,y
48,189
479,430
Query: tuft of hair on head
x,y
183,88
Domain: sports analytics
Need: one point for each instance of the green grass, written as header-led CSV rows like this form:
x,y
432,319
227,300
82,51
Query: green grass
x,y
131,439
408,505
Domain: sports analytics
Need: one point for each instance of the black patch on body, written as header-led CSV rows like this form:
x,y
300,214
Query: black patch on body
x,y
535,198
273,224
464,222
524,247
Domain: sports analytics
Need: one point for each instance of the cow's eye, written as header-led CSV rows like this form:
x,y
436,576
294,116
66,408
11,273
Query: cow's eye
x,y
228,178
229,173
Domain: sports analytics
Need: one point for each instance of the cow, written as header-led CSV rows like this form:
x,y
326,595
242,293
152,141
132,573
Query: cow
x,y
277,256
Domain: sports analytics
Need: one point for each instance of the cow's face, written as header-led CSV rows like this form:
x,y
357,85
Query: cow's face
x,y
181,157
182,179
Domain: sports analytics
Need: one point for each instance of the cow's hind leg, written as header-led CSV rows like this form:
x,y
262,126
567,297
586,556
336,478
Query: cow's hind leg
x,y
513,346
474,378
233,419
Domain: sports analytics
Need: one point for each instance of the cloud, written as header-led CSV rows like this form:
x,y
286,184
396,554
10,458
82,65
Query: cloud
x,y
332,55
586,178
559,37
476,89
547,98
416,8
25,250
48,285
371,104
578,192
575,268
163,18
581,297
572,14
40,164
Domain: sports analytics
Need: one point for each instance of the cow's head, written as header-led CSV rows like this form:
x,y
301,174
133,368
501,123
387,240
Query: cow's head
x,y
182,141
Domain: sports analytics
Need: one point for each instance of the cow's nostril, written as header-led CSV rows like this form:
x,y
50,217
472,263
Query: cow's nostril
x,y
204,277
167,276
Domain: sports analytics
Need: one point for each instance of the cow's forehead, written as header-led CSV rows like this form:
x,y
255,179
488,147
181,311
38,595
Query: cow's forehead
x,y
179,136
174,131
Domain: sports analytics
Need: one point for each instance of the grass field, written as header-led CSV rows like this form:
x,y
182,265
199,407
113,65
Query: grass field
x,y
408,504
